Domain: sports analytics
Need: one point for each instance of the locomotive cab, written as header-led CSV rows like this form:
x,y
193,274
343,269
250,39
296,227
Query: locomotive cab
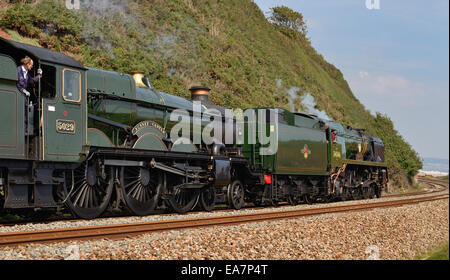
x,y
56,110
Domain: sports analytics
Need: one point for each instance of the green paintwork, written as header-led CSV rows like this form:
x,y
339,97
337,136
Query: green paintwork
x,y
302,150
8,69
304,121
113,83
353,143
150,141
364,163
148,104
64,146
137,104
123,85
339,129
114,110
12,139
148,112
150,96
176,102
98,138
350,140
303,147
8,115
336,155
183,145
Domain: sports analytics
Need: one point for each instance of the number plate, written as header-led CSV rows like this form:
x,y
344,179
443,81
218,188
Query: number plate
x,y
65,126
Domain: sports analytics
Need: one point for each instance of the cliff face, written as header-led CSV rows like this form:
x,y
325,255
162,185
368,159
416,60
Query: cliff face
x,y
227,45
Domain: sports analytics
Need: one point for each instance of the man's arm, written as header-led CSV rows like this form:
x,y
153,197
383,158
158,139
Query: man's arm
x,y
36,79
21,82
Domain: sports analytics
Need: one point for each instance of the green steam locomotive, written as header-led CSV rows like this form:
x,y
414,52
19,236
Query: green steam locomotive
x,y
96,140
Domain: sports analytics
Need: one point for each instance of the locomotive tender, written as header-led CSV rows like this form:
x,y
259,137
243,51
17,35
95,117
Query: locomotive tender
x,y
99,140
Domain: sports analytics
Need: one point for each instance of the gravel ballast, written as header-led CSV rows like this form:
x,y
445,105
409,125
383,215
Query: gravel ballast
x,y
391,233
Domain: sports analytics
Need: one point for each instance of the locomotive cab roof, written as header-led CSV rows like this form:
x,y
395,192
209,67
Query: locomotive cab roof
x,y
39,53
302,114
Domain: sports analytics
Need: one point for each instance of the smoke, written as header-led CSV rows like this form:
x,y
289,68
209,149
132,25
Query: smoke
x,y
98,15
97,39
292,95
309,104
279,82
108,24
107,8
164,45
172,71
307,100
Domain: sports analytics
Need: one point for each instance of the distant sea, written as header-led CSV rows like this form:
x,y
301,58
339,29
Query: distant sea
x,y
435,164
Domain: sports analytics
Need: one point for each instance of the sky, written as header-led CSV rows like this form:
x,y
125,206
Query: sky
x,y
395,57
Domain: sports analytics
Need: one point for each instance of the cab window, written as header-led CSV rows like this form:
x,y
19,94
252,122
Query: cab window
x,y
71,85
48,81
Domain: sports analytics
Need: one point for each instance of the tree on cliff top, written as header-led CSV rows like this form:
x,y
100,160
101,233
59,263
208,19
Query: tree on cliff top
x,y
288,19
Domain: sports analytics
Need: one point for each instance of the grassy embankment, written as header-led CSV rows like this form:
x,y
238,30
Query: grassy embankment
x,y
440,253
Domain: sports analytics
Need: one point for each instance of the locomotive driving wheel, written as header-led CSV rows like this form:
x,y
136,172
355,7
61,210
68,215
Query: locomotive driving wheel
x,y
368,192
308,199
208,198
372,191
235,195
377,191
356,194
182,199
87,193
141,189
293,198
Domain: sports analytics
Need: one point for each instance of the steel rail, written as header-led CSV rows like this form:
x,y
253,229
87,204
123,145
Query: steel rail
x,y
127,230
438,182
424,181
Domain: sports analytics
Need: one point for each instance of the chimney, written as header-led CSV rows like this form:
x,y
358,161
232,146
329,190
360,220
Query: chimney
x,y
201,94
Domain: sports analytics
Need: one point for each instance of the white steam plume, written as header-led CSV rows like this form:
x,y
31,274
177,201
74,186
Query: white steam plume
x,y
307,100
309,103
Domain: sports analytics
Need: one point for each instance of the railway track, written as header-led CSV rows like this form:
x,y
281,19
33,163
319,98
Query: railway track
x,y
128,230
428,181
431,182
434,182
